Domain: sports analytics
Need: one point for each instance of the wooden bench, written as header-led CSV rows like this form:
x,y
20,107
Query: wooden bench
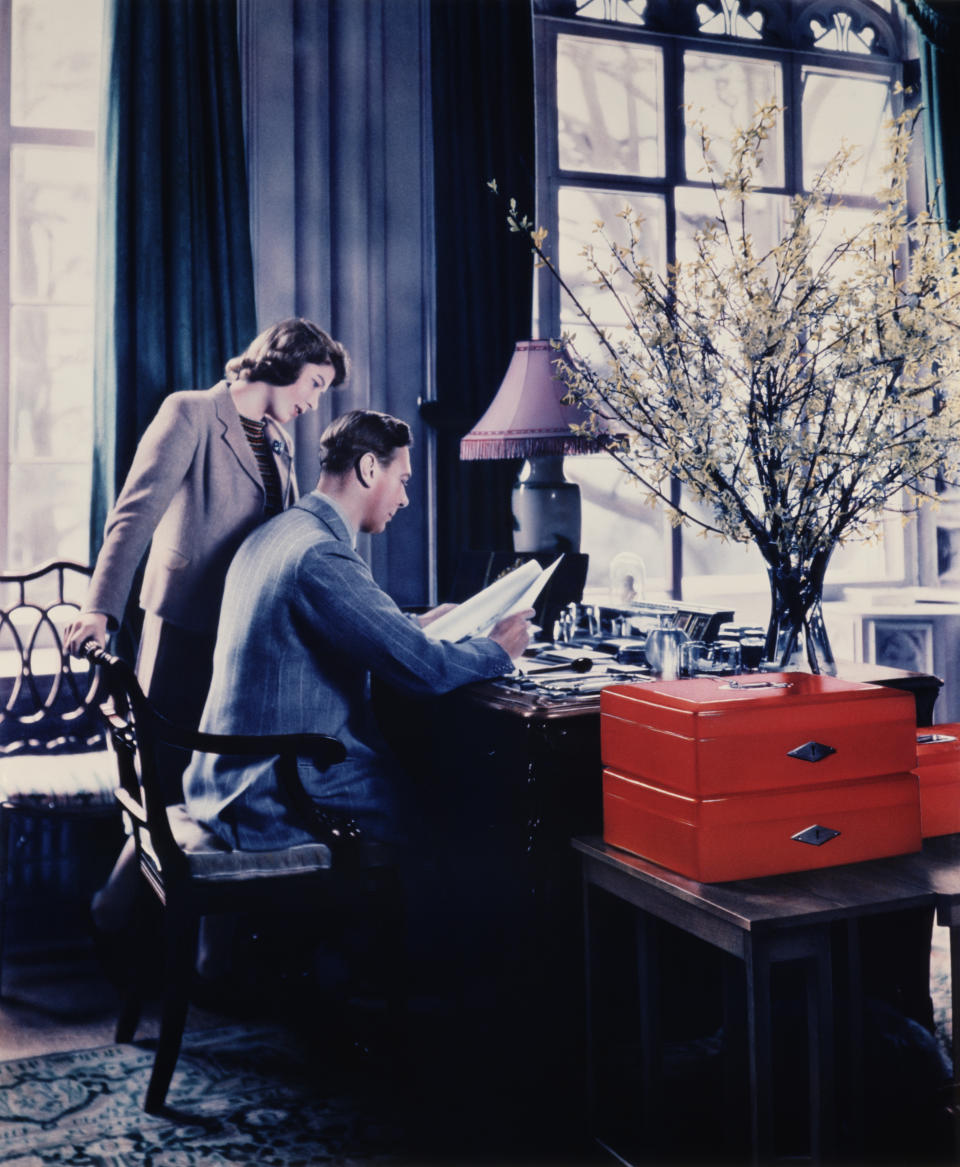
x,y
57,773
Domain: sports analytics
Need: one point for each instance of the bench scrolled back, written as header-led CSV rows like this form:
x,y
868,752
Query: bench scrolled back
x,y
53,750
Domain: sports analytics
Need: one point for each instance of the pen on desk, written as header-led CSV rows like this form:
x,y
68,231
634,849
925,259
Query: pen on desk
x,y
580,664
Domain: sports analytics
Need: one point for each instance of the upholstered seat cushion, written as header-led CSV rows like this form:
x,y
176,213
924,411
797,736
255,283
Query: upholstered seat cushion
x,y
210,858
49,780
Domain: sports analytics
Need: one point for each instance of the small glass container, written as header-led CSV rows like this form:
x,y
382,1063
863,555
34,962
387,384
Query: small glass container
x,y
690,656
716,658
751,651
725,658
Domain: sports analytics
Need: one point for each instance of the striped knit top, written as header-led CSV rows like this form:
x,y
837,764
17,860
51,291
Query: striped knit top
x,y
265,463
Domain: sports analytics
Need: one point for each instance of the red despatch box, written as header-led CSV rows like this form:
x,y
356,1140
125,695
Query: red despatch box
x,y
748,835
739,777
938,768
729,735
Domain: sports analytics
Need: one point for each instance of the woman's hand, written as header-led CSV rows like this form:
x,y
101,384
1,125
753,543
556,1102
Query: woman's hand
x,y
426,618
87,626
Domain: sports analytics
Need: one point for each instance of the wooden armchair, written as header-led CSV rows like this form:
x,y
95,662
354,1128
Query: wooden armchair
x,y
193,873
59,823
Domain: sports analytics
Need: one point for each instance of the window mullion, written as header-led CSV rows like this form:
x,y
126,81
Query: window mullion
x,y
793,124
5,142
676,124
546,319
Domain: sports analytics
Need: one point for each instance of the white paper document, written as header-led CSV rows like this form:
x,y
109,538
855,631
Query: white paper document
x,y
511,593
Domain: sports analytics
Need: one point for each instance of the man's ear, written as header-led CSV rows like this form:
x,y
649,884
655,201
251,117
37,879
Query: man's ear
x,y
366,468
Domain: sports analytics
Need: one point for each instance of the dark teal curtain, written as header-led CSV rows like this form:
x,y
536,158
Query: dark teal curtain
x,y
483,128
175,277
938,27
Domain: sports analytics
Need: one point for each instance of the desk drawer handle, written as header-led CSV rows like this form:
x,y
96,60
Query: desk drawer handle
x,y
811,752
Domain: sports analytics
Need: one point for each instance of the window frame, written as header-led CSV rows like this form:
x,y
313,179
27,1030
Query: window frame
x,y
674,38
12,136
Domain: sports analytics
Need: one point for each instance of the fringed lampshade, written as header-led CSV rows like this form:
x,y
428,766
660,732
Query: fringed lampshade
x,y
528,419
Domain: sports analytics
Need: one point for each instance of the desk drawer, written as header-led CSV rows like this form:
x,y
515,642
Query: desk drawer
x,y
710,737
749,835
938,768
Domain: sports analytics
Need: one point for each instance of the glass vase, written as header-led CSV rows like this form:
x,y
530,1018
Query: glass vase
x,y
797,635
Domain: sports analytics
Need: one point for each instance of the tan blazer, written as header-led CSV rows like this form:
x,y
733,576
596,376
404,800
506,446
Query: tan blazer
x,y
195,490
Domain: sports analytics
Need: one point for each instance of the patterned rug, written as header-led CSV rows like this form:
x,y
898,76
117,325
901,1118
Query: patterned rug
x,y
239,1095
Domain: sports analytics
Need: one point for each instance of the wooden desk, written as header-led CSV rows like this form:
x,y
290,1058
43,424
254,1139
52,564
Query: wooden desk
x,y
759,924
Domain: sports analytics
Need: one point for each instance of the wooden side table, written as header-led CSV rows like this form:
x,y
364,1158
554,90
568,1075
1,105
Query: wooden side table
x,y
760,924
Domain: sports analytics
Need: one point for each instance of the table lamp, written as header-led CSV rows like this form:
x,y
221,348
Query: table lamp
x,y
528,419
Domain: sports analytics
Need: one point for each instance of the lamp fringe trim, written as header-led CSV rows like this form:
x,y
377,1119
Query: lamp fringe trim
x,y
476,448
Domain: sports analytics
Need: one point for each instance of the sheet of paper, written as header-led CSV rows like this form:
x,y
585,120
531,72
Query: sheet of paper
x,y
511,593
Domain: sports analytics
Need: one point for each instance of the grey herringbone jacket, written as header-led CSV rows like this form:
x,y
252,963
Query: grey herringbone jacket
x,y
303,627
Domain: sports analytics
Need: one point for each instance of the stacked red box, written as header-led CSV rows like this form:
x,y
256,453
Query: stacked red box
x,y
938,768
737,777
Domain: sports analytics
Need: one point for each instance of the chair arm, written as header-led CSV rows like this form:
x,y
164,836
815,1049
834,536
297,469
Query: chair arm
x,y
321,748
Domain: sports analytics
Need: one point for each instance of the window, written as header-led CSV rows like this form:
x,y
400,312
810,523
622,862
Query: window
x,y
49,92
613,77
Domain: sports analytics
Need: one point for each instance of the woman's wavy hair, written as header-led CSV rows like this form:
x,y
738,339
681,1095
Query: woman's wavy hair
x,y
361,431
278,354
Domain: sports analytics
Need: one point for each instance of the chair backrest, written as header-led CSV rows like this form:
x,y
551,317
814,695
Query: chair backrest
x,y
138,730
48,699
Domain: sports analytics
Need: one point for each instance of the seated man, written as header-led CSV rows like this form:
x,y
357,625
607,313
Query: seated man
x,y
303,627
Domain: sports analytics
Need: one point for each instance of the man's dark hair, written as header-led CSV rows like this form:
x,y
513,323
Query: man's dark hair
x,y
278,354
361,431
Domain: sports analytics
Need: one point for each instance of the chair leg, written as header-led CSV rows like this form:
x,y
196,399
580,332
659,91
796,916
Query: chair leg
x,y
4,873
395,942
129,1016
180,936
391,960
135,965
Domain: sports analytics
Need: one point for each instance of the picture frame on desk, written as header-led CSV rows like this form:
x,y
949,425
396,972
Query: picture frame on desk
x,y
900,644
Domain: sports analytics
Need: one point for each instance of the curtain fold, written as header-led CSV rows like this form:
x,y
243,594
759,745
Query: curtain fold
x,y
338,152
483,128
938,29
174,270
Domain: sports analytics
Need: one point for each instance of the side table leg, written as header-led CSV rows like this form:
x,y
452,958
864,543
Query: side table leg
x,y
736,1096
853,1034
759,1053
955,1028
588,983
648,995
812,949
822,1052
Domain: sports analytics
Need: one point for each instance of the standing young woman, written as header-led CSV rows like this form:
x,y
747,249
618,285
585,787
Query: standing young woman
x,y
211,466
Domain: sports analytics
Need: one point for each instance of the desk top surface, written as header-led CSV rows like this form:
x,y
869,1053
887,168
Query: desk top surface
x,y
928,877
509,697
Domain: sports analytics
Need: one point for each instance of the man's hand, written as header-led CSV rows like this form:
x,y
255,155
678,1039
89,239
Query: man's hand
x,y
426,618
87,626
512,633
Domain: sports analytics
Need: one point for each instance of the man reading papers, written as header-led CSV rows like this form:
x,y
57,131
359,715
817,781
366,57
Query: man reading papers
x,y
303,627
